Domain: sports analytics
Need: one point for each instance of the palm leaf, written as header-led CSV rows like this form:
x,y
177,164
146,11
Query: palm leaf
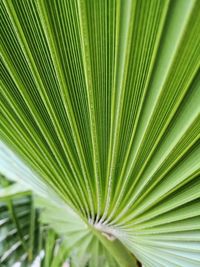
x,y
100,114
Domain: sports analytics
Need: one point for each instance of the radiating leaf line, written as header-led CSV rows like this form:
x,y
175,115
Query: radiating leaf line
x,y
100,118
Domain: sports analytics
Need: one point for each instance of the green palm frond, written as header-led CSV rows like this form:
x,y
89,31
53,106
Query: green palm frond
x,y
100,118
18,224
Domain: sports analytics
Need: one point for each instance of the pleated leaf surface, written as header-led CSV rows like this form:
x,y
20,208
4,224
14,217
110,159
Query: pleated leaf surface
x,y
101,102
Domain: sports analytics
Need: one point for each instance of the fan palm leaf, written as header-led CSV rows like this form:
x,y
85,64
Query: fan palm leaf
x,y
100,118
